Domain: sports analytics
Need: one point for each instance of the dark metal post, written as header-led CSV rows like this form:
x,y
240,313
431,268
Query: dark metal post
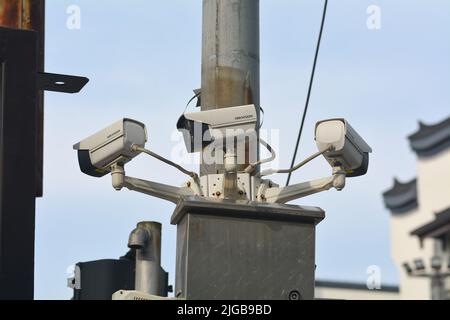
x,y
18,69
30,15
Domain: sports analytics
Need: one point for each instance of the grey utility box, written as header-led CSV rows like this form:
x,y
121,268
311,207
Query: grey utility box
x,y
244,251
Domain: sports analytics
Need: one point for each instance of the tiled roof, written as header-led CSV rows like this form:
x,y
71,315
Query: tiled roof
x,y
402,197
439,227
431,139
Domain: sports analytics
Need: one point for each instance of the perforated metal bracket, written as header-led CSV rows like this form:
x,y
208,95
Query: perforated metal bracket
x,y
60,82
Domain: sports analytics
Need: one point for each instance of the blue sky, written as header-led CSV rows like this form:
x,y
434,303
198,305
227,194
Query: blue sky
x,y
143,60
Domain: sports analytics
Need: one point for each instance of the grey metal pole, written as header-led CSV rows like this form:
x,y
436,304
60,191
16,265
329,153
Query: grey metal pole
x,y
230,59
146,239
438,287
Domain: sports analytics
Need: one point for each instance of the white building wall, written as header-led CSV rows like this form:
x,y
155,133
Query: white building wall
x,y
434,184
406,248
433,187
433,192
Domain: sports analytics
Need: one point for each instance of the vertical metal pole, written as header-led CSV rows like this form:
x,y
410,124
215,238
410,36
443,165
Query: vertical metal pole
x,y
21,143
30,15
146,239
438,287
230,59
18,66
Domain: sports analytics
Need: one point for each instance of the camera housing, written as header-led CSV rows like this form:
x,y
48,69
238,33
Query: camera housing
x,y
202,128
112,145
348,149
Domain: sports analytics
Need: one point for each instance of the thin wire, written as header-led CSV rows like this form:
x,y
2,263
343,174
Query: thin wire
x,y
309,90
263,117
192,99
192,174
304,162
298,166
252,167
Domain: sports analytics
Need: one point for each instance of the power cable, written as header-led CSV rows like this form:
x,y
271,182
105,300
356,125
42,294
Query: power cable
x,y
308,98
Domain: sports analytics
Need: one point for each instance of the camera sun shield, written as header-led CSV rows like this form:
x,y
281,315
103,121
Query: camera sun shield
x,y
99,152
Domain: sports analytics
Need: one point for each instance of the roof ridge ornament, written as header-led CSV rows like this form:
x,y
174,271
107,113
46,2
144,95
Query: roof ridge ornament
x,y
402,197
431,139
423,124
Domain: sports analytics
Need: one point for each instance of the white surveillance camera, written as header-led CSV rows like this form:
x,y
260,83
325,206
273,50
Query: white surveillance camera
x,y
110,146
347,149
201,128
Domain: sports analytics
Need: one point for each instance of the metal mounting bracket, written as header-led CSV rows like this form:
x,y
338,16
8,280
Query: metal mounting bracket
x,y
60,82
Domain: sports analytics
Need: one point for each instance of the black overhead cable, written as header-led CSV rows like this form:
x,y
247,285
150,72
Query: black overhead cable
x,y
197,95
309,90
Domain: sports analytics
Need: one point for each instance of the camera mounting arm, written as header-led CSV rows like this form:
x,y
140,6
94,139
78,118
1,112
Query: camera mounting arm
x,y
297,191
158,190
110,149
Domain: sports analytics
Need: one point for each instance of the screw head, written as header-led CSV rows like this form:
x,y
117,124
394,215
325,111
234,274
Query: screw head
x,y
295,295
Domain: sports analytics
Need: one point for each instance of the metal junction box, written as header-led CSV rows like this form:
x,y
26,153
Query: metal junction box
x,y
244,250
